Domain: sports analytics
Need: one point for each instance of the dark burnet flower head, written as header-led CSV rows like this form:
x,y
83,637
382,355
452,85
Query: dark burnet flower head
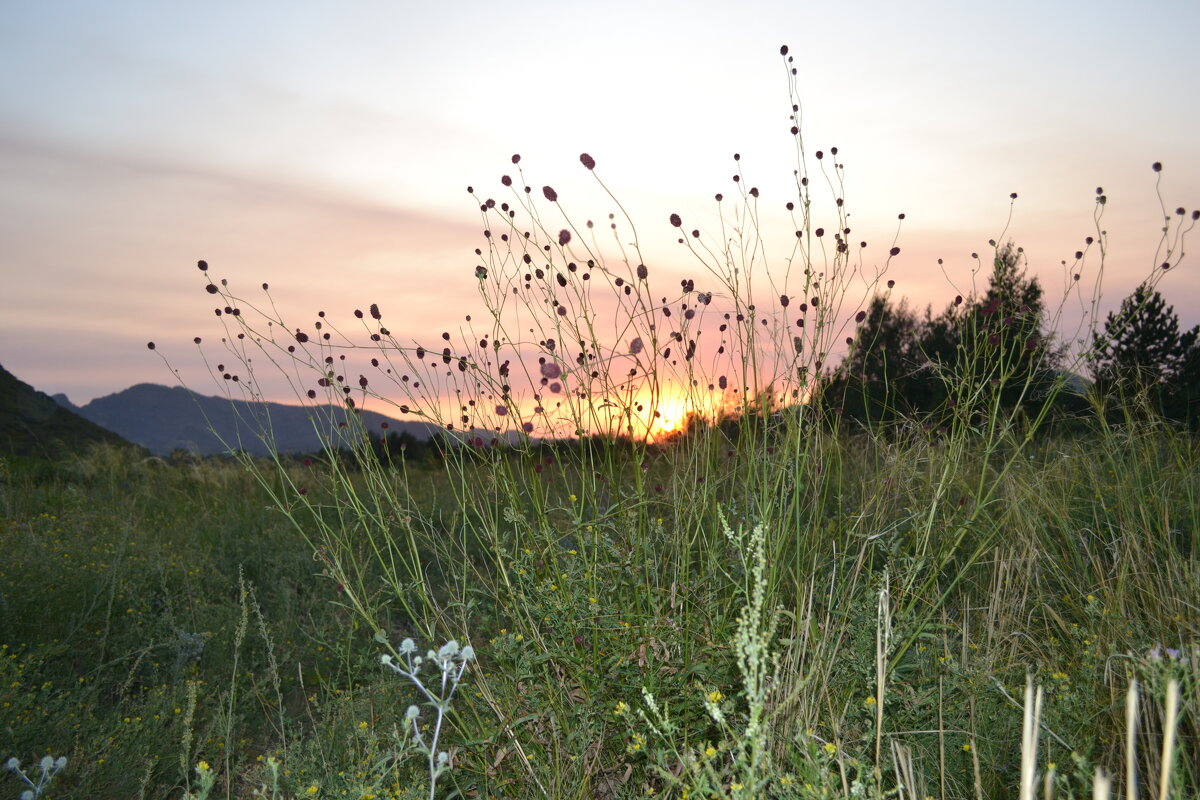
x,y
564,236
636,346
551,195
587,161
550,370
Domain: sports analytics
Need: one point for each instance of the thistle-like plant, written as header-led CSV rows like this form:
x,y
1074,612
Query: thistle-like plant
x,y
451,662
49,768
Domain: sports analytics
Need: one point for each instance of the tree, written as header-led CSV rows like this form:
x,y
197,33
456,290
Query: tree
x,y
876,381
1001,338
1142,359
986,350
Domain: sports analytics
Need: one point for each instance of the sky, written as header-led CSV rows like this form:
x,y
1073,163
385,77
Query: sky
x,y
326,147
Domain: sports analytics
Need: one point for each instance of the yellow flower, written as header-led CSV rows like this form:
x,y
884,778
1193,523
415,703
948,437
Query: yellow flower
x,y
870,701
710,751
362,726
786,780
967,747
574,499
203,766
736,786
715,696
830,748
313,789
621,707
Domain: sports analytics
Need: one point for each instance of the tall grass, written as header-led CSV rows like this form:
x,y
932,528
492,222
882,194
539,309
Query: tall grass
x,y
768,602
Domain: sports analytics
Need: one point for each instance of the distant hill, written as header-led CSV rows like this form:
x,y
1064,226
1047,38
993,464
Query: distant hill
x,y
163,419
34,424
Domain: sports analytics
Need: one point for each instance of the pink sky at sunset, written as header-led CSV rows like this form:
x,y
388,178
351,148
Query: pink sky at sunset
x,y
325,148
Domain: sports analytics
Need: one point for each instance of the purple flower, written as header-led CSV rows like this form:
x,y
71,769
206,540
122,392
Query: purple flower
x,y
550,370
564,236
551,195
636,346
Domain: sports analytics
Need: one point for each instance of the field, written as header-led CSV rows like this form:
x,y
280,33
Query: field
x,y
161,615
664,548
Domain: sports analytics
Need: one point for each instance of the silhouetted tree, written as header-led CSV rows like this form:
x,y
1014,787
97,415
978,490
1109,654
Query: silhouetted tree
x,y
901,365
877,380
1142,360
1001,335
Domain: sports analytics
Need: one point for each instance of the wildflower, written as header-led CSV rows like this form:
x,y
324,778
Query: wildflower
x,y
830,748
621,708
715,696
587,161
550,194
710,751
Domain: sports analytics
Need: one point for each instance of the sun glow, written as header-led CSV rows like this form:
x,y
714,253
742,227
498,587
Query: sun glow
x,y
668,417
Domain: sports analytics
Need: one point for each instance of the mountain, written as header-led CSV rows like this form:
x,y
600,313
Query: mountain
x,y
163,419
33,423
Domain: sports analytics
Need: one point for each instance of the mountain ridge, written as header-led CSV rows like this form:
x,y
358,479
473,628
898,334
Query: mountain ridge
x,y
167,418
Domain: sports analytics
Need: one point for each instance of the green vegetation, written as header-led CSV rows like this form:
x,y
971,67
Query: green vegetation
x,y
966,600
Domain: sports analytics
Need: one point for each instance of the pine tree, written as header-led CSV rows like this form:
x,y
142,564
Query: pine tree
x,y
1142,358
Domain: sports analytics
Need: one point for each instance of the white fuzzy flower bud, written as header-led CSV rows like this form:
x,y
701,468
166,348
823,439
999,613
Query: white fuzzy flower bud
x,y
407,646
412,712
61,762
13,764
386,658
47,763
443,757
448,650
468,653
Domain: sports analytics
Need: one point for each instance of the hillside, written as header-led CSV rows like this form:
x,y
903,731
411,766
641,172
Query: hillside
x,y
164,419
34,424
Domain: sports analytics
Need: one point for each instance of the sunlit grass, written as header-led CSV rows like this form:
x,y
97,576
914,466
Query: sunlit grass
x,y
681,571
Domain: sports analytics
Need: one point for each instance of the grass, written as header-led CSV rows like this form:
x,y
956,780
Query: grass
x,y
767,603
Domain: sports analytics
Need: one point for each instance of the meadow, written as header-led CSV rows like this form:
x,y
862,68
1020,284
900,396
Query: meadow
x,y
762,598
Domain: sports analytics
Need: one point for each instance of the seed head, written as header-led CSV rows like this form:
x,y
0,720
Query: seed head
x,y
551,195
587,161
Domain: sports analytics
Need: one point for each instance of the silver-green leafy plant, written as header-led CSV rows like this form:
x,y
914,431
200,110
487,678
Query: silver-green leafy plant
x,y
451,662
49,768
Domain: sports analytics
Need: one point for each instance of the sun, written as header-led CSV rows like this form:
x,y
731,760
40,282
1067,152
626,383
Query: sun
x,y
670,420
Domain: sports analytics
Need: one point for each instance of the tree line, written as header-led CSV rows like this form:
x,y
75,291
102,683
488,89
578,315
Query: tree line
x,y
994,352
